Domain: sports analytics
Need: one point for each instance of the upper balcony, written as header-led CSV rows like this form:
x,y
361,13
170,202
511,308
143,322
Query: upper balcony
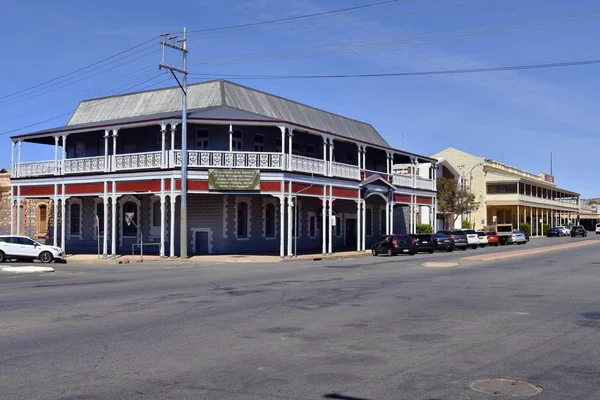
x,y
265,148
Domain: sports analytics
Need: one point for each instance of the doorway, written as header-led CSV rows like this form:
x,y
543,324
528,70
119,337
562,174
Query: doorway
x,y
201,243
351,233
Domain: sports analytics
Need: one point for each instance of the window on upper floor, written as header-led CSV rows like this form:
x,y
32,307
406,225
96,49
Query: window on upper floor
x,y
501,188
296,148
310,150
278,145
259,143
79,149
202,139
237,140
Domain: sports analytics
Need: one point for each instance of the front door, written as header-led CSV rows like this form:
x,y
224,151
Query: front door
x,y
351,233
201,240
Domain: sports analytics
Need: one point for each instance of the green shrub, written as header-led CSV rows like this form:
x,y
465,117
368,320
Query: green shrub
x,y
424,228
525,228
545,229
466,224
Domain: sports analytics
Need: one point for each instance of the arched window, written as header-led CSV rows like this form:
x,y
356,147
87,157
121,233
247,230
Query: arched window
x,y
242,220
369,222
100,215
129,229
270,220
42,219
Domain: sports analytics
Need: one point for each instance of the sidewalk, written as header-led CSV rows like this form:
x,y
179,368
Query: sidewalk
x,y
233,258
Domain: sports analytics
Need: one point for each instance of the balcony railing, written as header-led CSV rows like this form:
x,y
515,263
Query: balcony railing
x,y
83,165
541,202
151,160
226,159
345,170
307,164
402,180
33,169
424,183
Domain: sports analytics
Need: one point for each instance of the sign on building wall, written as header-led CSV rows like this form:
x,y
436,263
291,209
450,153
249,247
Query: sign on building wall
x,y
233,179
548,178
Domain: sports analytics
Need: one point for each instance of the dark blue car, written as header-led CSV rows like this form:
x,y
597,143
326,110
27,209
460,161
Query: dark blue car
x,y
554,232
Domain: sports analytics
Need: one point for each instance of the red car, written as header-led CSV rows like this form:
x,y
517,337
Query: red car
x,y
492,239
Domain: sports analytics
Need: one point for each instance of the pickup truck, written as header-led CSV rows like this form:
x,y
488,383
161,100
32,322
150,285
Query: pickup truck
x,y
503,231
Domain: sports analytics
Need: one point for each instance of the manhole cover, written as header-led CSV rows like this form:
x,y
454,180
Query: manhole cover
x,y
506,387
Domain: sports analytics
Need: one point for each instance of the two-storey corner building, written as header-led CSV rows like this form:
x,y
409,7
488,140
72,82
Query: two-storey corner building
x,y
265,175
508,195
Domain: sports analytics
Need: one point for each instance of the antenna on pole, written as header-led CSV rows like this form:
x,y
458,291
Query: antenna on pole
x,y
180,45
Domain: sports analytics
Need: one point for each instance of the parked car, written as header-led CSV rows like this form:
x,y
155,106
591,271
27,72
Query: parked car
x,y
566,230
597,229
431,242
578,231
518,237
526,237
424,242
492,238
472,238
24,248
392,245
483,239
459,237
554,232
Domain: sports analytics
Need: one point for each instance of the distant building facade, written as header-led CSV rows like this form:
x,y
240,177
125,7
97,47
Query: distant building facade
x,y
508,195
266,175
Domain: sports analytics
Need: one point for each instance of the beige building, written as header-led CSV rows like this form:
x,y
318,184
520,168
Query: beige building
x,y
508,195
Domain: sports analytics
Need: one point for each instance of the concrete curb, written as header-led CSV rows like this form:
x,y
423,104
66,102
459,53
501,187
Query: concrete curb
x,y
26,269
525,253
439,265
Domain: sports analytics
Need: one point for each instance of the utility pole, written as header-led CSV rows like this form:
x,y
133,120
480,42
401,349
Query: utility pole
x,y
184,153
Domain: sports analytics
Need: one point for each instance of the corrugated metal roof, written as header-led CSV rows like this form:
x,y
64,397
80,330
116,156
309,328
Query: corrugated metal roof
x,y
222,93
148,103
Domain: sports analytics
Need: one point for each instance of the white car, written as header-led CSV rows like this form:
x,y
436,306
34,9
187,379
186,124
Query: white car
x,y
472,238
566,231
23,248
597,229
483,239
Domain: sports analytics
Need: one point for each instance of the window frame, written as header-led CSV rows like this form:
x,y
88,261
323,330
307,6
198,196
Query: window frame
x,y
247,234
266,222
74,201
237,143
203,140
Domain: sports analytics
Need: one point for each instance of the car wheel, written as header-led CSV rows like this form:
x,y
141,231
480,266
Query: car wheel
x,y
463,248
390,253
450,250
46,257
430,251
374,251
2,257
412,253
474,247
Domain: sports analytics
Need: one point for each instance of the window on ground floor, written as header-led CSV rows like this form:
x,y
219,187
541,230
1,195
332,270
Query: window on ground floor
x,y
242,220
369,222
156,213
270,220
75,223
100,217
42,219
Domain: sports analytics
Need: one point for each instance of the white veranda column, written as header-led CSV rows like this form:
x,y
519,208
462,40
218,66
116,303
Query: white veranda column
x,y
56,167
330,225
12,213
106,159
364,226
358,223
115,135
18,227
282,225
391,219
172,233
324,221
20,144
163,134
290,135
325,155
13,167
387,216
105,222
63,211
54,216
330,157
113,224
163,212
290,211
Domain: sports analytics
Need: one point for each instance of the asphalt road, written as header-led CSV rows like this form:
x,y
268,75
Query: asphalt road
x,y
364,328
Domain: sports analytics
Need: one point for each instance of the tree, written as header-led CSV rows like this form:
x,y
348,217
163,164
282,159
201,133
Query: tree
x,y
424,228
454,200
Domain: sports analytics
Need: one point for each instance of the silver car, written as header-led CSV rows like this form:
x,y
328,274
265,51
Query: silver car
x,y
518,237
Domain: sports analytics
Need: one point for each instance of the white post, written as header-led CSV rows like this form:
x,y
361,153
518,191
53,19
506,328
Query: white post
x,y
324,221
19,157
18,227
173,129
282,224
56,168
64,149
387,164
172,233
289,220
63,211
358,223
162,217
330,157
283,159
54,218
364,226
364,158
324,155
290,135
391,224
13,167
113,225
230,137
330,219
531,219
518,216
115,135
387,216
163,133
105,219
360,167
106,161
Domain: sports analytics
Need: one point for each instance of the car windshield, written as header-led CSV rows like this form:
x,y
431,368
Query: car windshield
x,y
470,232
441,236
458,233
481,234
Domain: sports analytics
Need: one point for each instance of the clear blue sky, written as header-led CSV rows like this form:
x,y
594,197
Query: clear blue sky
x,y
523,114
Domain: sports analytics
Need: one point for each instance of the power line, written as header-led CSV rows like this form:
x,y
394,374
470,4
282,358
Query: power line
x,y
299,17
79,70
418,73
